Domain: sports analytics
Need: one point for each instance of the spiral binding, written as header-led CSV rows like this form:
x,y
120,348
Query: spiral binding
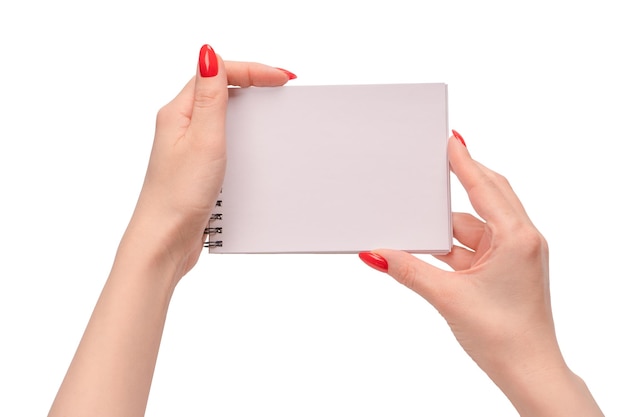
x,y
212,231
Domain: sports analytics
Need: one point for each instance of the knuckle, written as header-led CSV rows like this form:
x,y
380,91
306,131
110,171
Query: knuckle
x,y
530,242
164,115
405,275
209,98
500,180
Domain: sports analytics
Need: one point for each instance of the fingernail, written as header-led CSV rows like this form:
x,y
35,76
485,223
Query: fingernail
x,y
374,260
290,74
459,137
207,62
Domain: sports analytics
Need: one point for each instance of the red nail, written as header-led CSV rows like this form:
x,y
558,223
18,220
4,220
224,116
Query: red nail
x,y
207,62
374,260
290,74
459,137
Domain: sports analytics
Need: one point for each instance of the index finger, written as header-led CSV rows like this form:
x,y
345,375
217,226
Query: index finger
x,y
242,74
489,197
246,74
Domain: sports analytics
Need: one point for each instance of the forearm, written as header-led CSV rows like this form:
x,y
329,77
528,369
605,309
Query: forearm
x,y
112,369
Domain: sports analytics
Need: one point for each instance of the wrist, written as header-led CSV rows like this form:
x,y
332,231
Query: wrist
x,y
545,386
156,249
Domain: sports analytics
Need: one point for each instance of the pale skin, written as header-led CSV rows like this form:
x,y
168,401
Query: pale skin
x,y
496,302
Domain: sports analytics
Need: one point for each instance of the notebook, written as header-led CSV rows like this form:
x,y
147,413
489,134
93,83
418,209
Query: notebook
x,y
335,169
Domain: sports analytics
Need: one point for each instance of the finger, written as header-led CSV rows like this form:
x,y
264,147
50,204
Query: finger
x,y
210,96
458,258
484,193
422,277
467,229
246,74
506,189
243,74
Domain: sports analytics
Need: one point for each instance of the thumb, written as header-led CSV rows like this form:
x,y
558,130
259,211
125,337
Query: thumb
x,y
422,277
210,95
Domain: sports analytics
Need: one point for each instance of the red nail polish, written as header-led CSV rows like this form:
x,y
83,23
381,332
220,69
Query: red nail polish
x,y
290,74
207,62
459,137
374,260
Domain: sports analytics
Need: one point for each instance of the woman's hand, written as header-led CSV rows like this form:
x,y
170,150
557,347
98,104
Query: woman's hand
x,y
188,160
114,363
497,302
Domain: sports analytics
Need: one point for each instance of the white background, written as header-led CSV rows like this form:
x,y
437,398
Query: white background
x,y
537,89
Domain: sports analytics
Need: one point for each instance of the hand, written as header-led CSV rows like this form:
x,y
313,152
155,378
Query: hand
x,y
497,303
188,159
114,363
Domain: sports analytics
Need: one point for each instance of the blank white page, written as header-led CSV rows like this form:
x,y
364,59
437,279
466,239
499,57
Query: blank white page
x,y
331,169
